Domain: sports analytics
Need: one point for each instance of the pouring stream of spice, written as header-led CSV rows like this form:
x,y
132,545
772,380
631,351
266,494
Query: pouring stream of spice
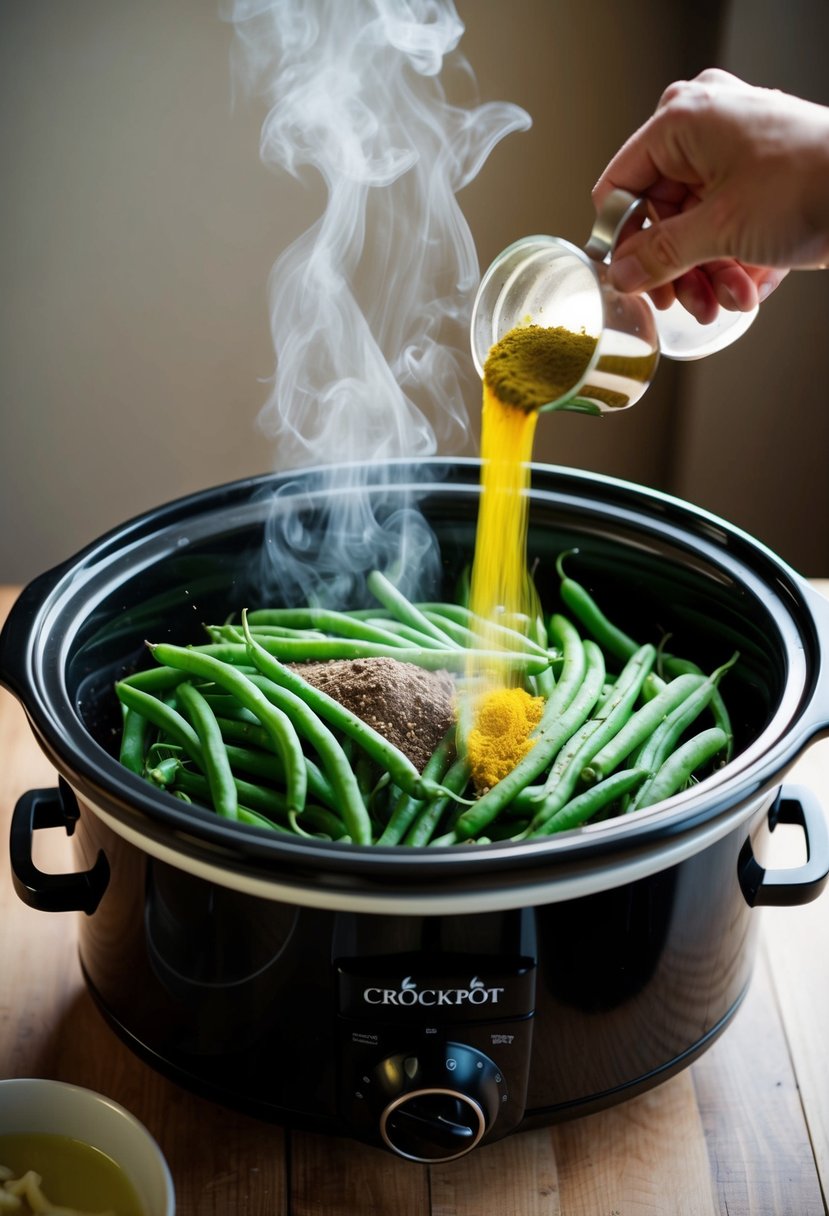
x,y
528,368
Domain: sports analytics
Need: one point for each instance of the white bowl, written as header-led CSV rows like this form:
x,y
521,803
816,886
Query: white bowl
x,y
57,1108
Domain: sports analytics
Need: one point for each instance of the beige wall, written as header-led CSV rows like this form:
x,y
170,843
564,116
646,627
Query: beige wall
x,y
137,229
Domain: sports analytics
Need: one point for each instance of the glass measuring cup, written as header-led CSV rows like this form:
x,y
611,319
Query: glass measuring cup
x,y
549,282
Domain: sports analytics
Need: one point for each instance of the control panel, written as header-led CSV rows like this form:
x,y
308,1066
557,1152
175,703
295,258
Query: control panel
x,y
434,1051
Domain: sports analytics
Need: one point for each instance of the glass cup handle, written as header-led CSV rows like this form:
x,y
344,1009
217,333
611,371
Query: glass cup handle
x,y
614,213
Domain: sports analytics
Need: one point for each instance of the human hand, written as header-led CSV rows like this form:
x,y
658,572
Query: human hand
x,y
738,182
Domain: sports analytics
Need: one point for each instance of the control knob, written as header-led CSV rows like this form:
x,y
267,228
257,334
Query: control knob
x,y
437,1104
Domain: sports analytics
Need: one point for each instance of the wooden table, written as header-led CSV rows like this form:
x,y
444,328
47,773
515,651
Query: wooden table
x,y
744,1130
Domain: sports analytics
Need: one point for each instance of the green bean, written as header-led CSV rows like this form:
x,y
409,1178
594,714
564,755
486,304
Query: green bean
x,y
288,650
638,729
231,634
587,804
162,716
252,819
334,761
154,679
133,740
576,597
545,680
586,742
163,773
667,735
401,769
405,635
680,767
267,764
393,600
255,797
406,807
252,733
225,706
429,816
216,764
573,669
262,800
462,623
676,666
280,729
553,731
328,621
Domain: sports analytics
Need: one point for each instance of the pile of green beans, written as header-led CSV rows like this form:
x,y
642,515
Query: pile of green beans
x,y
232,726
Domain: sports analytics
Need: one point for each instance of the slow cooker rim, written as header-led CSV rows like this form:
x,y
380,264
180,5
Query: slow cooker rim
x,y
696,806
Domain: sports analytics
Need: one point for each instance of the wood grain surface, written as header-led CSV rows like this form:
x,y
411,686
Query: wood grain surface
x,y
743,1132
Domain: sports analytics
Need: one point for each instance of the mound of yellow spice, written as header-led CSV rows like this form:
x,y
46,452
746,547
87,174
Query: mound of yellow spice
x,y
503,719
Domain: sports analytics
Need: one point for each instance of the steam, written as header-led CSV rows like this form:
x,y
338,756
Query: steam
x,y
370,307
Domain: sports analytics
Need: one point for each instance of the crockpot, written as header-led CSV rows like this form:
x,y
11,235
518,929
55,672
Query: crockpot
x,y
425,1000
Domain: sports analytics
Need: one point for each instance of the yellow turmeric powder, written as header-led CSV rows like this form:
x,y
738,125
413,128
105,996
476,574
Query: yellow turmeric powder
x,y
503,721
533,365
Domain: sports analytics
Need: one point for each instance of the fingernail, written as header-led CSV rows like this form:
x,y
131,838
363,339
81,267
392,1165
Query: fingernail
x,y
764,290
628,273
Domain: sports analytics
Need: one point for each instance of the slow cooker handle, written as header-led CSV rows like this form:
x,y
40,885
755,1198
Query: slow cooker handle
x,y
16,630
79,892
799,805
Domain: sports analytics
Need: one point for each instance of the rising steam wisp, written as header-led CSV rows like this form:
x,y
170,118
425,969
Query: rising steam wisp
x,y
370,306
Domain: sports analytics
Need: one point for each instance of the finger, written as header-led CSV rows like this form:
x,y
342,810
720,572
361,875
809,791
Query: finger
x,y
695,293
664,251
766,278
663,297
732,284
632,168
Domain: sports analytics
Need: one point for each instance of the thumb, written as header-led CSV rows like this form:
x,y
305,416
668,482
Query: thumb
x,y
662,252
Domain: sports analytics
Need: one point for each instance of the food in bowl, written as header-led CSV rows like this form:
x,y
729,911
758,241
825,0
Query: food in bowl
x,y
55,1175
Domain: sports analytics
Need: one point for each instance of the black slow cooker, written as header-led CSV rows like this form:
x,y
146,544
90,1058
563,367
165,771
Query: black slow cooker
x,y
426,1000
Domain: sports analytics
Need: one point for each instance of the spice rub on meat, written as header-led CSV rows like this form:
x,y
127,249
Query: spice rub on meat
x,y
411,707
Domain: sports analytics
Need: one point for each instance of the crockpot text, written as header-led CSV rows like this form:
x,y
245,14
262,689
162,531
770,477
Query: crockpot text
x,y
408,994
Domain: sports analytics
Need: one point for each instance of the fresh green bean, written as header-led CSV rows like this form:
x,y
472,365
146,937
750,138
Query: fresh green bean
x,y
429,816
252,819
578,599
680,767
667,735
265,801
278,725
573,668
163,772
341,624
216,764
719,711
255,797
393,600
340,773
545,680
154,679
407,635
166,719
288,650
587,804
133,740
467,627
406,807
226,706
247,733
268,765
639,727
429,657
566,770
